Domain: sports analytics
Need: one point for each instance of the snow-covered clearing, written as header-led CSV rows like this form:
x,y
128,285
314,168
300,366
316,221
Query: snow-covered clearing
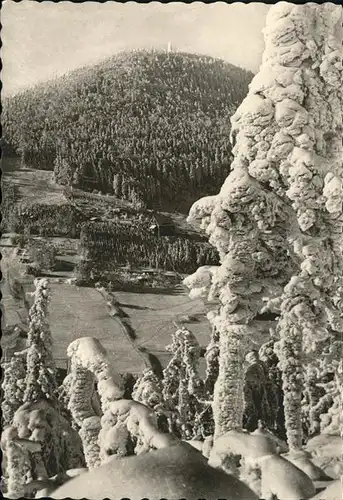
x,y
79,312
153,317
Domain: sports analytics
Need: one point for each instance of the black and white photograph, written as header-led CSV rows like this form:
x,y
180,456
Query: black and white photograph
x,y
172,250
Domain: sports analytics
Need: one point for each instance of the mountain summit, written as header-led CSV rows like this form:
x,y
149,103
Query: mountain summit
x,y
147,126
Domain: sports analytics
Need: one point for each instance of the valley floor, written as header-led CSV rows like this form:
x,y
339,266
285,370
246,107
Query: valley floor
x,y
81,311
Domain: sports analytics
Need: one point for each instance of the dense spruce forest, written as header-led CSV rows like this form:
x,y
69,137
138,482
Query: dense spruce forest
x,y
107,245
150,127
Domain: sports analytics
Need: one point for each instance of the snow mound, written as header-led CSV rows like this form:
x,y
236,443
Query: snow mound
x,y
332,492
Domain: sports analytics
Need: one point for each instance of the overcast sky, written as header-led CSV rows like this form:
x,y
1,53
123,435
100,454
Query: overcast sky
x,y
42,40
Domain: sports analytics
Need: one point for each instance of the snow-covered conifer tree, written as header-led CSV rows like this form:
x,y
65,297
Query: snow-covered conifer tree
x,y
307,41
148,390
248,223
182,386
38,444
278,216
274,386
332,421
327,385
16,463
38,419
41,370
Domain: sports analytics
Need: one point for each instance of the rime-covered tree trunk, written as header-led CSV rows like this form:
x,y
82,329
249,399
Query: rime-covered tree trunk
x,y
212,363
291,364
228,403
274,391
248,225
80,394
312,395
18,469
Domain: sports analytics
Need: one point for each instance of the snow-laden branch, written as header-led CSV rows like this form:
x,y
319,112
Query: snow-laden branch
x,y
13,386
16,461
278,476
200,284
129,427
39,442
88,353
90,364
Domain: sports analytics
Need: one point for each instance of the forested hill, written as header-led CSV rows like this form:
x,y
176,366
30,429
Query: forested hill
x,y
149,126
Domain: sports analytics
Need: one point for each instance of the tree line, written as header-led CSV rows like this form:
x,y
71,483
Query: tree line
x,y
46,220
117,244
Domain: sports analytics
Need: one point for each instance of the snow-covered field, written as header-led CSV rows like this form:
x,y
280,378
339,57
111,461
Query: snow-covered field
x,y
81,312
